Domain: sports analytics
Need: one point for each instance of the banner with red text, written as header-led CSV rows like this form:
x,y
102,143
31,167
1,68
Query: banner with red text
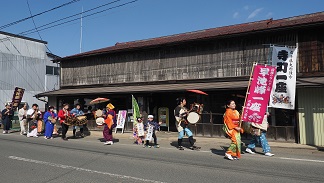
x,y
284,86
258,94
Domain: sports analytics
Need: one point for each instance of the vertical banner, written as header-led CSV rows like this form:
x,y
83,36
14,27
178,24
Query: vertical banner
x,y
122,114
149,132
258,95
284,86
136,110
140,129
17,97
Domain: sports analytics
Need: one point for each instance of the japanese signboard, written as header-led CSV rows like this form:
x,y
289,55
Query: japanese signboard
x,y
284,86
17,97
149,134
258,93
121,118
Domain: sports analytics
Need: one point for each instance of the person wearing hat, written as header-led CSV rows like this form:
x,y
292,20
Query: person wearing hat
x,y
49,118
110,123
6,114
155,126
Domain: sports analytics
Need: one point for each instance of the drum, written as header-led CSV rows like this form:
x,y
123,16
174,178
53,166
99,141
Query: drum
x,y
52,120
81,120
69,120
100,121
193,117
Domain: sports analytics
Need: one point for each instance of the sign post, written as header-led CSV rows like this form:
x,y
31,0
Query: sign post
x,y
122,114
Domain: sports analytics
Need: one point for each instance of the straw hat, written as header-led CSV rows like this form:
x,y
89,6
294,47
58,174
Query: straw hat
x,y
110,106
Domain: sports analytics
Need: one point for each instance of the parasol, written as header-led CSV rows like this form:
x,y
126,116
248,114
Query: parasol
x,y
198,91
99,100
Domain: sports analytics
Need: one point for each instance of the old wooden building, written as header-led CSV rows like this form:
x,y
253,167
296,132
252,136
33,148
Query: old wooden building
x,y
218,61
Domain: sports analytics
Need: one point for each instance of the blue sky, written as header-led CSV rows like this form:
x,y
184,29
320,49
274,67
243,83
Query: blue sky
x,y
142,19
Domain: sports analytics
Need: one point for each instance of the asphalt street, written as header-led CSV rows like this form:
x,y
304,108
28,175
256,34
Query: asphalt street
x,y
88,160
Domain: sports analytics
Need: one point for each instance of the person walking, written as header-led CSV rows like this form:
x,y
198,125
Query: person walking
x,y
110,123
155,126
76,111
50,118
259,132
180,113
233,131
63,114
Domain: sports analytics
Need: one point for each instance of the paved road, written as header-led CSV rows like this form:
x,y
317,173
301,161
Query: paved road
x,y
88,160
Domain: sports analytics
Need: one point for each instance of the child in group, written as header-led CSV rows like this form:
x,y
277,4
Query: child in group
x,y
139,138
155,126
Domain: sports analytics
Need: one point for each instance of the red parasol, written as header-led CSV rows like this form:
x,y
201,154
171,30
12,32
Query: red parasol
x,y
198,91
99,100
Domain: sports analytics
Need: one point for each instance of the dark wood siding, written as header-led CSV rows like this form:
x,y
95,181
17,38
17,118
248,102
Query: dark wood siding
x,y
215,58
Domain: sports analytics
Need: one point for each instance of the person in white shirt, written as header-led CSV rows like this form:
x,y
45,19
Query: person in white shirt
x,y
22,115
32,116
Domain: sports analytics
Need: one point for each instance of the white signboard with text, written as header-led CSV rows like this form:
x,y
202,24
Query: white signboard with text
x,y
121,119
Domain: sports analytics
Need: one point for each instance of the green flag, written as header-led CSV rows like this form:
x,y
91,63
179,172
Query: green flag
x,y
136,111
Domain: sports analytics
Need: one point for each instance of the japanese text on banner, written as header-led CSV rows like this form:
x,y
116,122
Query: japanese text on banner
x,y
259,93
284,89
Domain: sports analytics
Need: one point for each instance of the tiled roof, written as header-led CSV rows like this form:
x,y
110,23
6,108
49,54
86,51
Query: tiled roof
x,y
209,33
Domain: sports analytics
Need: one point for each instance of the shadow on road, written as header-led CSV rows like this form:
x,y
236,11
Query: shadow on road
x,y
103,140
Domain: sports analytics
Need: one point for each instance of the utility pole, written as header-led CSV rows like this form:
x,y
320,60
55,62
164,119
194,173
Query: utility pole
x,y
81,32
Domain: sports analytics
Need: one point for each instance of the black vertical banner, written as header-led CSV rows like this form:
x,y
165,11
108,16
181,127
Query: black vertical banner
x,y
17,97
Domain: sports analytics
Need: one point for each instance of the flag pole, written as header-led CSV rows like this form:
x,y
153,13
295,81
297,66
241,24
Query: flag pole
x,y
247,92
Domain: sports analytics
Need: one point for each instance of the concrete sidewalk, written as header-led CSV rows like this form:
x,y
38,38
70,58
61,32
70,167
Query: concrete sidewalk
x,y
206,142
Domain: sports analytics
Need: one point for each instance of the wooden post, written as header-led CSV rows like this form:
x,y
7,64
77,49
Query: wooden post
x,y
248,88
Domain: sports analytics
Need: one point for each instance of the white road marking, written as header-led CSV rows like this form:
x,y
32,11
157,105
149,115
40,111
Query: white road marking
x,y
295,159
81,169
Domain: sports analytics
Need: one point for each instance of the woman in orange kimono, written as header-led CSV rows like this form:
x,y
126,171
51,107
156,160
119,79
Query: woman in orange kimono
x,y
233,130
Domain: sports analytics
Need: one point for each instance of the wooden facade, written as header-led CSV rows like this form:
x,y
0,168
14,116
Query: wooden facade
x,y
218,56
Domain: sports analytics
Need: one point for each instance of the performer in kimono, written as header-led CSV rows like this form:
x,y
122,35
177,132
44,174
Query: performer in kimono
x,y
62,114
76,111
50,119
110,123
32,118
22,115
233,130
180,113
156,126
6,116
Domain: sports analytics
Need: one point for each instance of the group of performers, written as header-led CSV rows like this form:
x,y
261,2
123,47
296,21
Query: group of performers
x,y
142,133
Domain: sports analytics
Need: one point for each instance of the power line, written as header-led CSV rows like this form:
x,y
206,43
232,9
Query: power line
x,y
124,4
24,19
26,32
36,26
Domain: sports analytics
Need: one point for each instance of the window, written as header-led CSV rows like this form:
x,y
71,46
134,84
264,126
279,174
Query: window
x,y
50,70
56,71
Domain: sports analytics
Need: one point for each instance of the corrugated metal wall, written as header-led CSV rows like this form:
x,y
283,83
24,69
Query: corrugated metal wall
x,y
311,116
22,63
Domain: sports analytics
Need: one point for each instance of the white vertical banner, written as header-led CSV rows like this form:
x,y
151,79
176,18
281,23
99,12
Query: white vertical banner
x,y
121,119
284,84
149,134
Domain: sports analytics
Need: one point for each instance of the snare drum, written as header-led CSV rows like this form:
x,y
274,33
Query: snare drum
x,y
193,117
